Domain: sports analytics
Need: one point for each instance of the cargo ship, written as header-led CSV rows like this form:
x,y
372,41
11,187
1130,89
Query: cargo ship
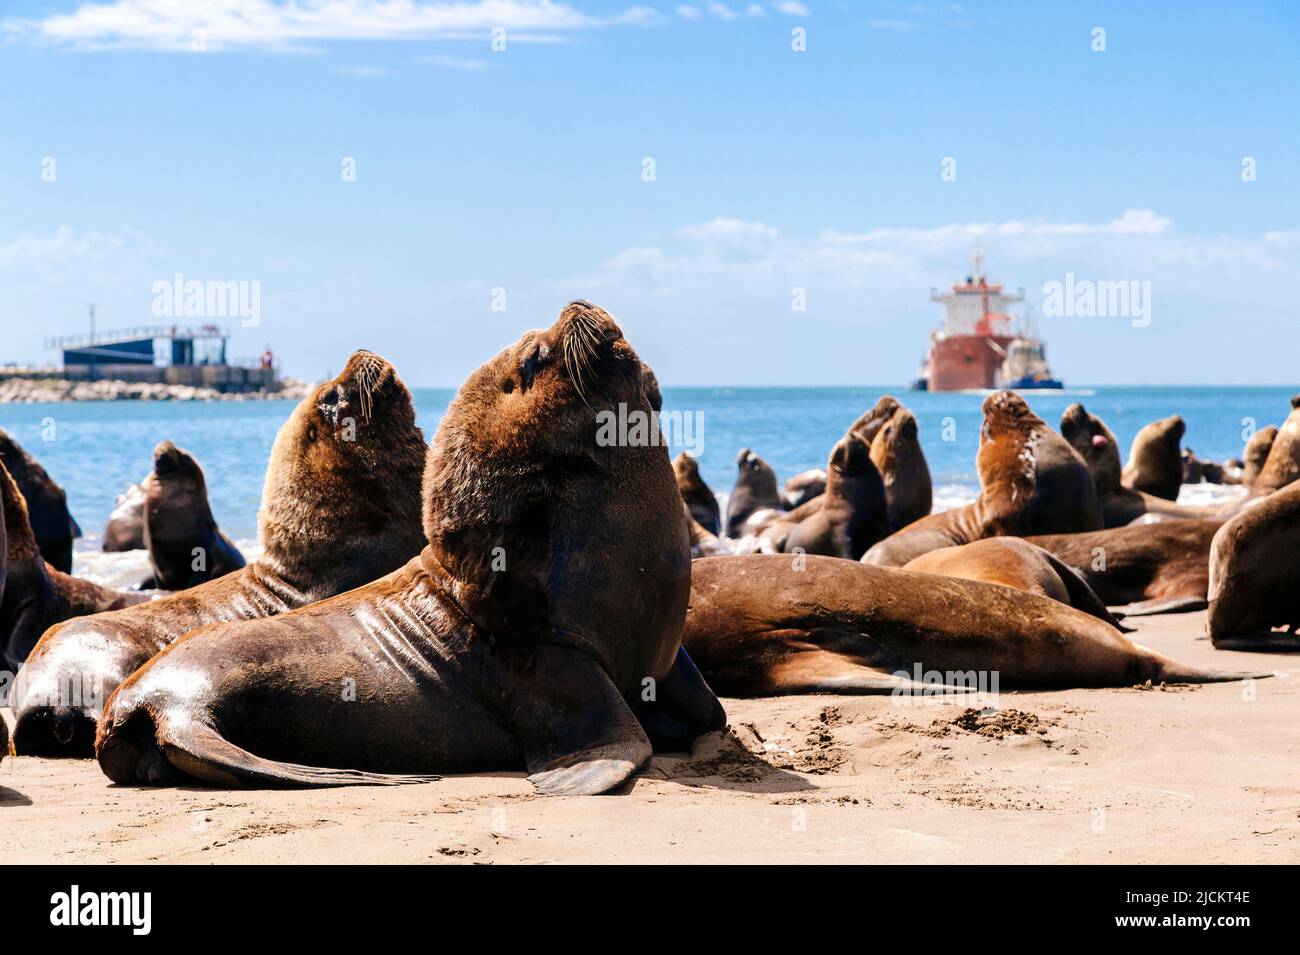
x,y
980,345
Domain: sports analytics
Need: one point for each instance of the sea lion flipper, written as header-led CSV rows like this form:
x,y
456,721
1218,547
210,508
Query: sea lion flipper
x,y
1082,596
127,755
1145,608
578,734
683,708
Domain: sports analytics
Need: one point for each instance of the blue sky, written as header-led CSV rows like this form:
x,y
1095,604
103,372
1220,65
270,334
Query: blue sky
x,y
523,169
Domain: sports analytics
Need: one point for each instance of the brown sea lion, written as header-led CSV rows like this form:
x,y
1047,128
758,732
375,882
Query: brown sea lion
x,y
340,507
700,500
704,543
1120,505
1199,471
125,528
1155,463
1256,453
896,453
1283,463
875,417
803,487
551,593
1159,568
1016,563
1031,481
889,430
47,504
853,515
36,596
755,488
759,627
1255,576
186,548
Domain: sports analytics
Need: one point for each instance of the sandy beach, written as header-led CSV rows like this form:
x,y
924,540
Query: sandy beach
x,y
1190,774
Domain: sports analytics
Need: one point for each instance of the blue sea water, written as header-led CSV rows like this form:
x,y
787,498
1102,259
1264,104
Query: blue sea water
x,y
95,449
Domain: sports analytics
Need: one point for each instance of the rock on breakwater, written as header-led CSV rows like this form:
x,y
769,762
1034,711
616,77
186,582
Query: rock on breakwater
x,y
31,390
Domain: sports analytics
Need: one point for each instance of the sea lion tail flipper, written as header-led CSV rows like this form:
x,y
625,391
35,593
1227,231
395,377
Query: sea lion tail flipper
x,y
1082,596
1259,641
1171,671
816,669
579,736
682,708
128,753
1145,608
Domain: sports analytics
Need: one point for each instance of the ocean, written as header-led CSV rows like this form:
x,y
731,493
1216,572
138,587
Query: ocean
x,y
95,449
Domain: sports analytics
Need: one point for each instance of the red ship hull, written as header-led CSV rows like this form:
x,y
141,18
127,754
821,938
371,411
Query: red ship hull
x,y
962,362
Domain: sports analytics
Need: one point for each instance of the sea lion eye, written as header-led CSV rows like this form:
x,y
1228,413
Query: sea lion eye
x,y
508,385
311,434
529,367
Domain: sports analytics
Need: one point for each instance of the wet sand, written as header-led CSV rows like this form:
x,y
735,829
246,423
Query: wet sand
x,y
1176,774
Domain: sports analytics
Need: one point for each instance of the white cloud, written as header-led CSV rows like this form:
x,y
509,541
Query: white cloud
x,y
296,24
63,247
725,286
687,12
791,8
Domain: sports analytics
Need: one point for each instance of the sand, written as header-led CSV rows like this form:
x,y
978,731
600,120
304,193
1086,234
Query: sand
x,y
1176,774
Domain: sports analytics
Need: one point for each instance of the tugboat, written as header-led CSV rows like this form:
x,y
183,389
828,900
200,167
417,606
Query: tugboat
x,y
979,346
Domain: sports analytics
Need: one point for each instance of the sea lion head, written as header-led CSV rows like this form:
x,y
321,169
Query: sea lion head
x,y
1095,443
1256,453
850,455
686,468
873,419
175,466
755,472
1009,441
177,515
342,485
894,436
545,524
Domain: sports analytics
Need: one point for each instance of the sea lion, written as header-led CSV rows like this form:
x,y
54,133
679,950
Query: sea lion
x,y
700,500
803,487
889,430
47,504
704,543
1155,463
1255,577
125,527
755,488
1031,481
853,515
875,417
1120,505
1199,471
1139,570
340,507
1255,454
186,548
759,627
1283,463
552,591
36,595
896,453
1016,563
